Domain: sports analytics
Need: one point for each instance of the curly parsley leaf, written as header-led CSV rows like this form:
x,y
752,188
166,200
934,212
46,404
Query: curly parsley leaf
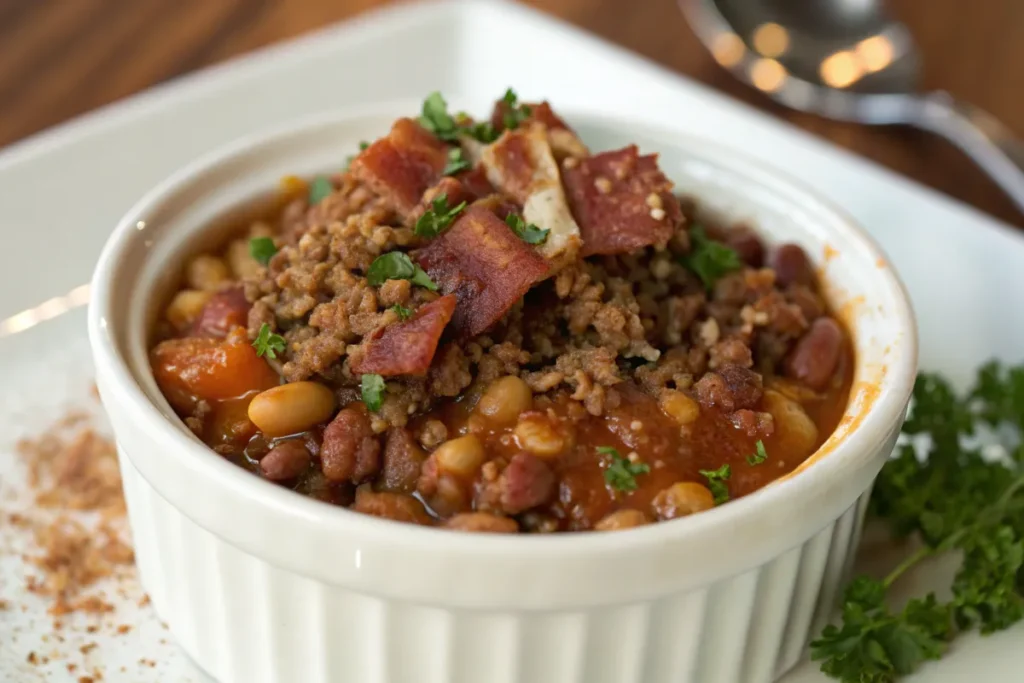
x,y
955,499
401,311
621,473
1001,394
437,120
267,343
986,592
457,162
873,645
262,249
759,455
396,265
709,260
717,482
527,232
319,188
514,113
482,132
438,217
372,389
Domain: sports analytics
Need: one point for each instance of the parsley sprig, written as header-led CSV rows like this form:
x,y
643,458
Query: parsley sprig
x,y
621,472
437,120
438,217
401,311
267,343
717,482
709,260
759,455
372,389
457,162
262,249
396,265
319,188
514,113
954,499
527,232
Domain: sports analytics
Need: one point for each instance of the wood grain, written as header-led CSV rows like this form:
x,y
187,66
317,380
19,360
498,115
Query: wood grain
x,y
61,58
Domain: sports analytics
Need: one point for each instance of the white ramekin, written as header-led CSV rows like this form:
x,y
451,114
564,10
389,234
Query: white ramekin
x,y
260,585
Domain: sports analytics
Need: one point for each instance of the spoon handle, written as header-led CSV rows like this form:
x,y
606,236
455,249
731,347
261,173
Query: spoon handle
x,y
991,144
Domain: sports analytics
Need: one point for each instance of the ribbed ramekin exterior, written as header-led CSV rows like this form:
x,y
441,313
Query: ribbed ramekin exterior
x,y
245,621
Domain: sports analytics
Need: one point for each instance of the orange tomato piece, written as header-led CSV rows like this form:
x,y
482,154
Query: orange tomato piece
x,y
193,369
229,423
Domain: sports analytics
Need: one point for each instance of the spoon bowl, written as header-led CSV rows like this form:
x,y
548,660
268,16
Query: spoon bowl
x,y
848,60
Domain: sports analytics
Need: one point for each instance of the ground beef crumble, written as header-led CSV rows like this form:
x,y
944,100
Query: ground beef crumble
x,y
641,316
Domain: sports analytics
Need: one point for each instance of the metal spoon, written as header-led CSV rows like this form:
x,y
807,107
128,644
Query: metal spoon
x,y
848,60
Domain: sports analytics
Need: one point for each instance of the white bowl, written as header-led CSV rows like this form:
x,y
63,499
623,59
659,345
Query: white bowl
x,y
259,584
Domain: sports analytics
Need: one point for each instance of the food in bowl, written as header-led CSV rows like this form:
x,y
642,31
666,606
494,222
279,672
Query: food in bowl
x,y
480,325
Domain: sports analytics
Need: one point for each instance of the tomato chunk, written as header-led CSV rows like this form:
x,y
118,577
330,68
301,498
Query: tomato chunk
x,y
193,369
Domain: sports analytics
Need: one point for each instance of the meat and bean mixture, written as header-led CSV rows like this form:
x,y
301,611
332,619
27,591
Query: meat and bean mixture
x,y
482,325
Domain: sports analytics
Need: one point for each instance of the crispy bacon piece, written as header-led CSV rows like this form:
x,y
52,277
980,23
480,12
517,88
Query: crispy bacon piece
x,y
621,200
564,141
521,165
407,348
467,186
402,165
482,262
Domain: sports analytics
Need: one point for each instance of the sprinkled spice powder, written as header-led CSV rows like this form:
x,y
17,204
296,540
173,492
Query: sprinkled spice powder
x,y
73,469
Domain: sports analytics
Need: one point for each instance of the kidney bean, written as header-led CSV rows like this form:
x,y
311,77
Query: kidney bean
x,y
814,358
791,265
224,311
403,459
350,450
745,242
527,482
286,460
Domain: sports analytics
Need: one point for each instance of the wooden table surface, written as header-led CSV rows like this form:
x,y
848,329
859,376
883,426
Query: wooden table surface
x,y
60,58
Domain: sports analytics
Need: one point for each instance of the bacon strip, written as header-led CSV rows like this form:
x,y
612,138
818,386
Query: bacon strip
x,y
520,164
467,186
621,200
482,262
402,165
407,348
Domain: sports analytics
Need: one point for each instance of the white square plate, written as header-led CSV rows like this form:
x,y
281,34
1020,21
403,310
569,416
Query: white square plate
x,y
62,191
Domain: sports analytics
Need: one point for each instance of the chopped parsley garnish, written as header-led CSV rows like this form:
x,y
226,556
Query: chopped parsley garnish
x,y
482,132
438,217
262,249
621,473
528,232
401,311
372,388
942,488
514,113
437,120
456,162
319,188
759,455
267,343
709,260
396,265
716,482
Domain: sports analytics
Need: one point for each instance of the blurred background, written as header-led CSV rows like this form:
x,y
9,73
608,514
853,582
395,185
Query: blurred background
x,y
60,58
